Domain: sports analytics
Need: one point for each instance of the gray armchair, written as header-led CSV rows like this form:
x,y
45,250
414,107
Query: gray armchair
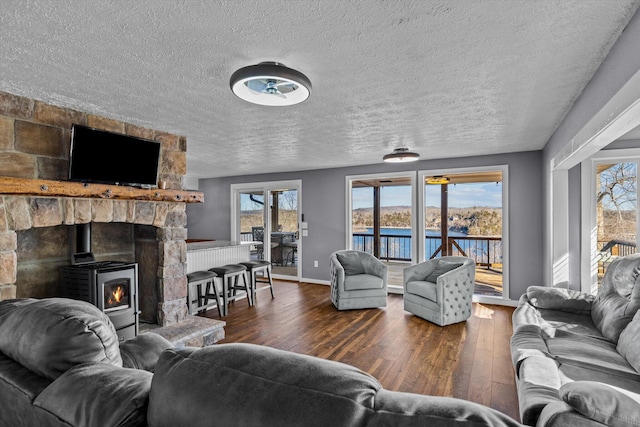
x,y
440,290
358,280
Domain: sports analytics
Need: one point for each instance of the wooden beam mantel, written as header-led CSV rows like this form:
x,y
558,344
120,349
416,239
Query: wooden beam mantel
x,y
50,188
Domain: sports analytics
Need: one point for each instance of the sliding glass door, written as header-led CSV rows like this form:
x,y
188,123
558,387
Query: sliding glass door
x,y
463,213
382,220
266,215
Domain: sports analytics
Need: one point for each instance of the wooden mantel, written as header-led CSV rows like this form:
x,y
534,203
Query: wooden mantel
x,y
50,188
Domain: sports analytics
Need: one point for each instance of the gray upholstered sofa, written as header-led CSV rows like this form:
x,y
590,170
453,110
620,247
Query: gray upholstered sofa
x,y
61,365
577,356
358,280
251,385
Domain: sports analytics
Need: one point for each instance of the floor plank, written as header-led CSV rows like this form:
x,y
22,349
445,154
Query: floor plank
x,y
468,360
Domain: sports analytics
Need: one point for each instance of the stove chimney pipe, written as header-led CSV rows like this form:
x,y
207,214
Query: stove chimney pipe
x,y
83,238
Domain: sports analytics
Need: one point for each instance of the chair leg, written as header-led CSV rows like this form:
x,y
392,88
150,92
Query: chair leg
x,y
225,295
270,281
215,295
247,288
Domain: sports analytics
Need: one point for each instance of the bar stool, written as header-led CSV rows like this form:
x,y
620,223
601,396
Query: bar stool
x,y
195,295
230,275
254,267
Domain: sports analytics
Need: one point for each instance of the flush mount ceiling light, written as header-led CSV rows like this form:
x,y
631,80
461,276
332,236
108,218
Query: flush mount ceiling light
x,y
400,155
270,83
438,180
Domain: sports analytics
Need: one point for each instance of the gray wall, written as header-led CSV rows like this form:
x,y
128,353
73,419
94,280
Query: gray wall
x,y
622,62
323,205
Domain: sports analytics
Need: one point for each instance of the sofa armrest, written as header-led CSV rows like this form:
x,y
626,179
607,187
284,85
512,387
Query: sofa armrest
x,y
604,403
98,394
376,268
143,351
560,299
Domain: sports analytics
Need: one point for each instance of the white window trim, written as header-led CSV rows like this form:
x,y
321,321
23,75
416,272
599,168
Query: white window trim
x,y
617,117
505,221
589,220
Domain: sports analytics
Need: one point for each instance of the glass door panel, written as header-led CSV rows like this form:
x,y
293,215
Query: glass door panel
x,y
382,221
616,212
252,221
381,218
283,229
463,217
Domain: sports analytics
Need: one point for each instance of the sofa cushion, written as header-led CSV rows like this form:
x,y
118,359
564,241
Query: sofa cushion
x,y
51,335
590,352
609,405
618,299
351,263
245,384
560,299
98,394
441,268
360,282
629,342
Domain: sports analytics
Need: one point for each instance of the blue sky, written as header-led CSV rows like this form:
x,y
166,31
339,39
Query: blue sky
x,y
460,195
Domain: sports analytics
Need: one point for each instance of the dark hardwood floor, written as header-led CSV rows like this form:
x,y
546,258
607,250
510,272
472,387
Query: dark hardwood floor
x,y
469,360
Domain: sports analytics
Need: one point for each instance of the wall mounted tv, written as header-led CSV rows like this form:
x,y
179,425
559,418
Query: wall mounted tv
x,y
111,158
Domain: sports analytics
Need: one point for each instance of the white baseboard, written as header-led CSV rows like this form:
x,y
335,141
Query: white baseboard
x,y
316,281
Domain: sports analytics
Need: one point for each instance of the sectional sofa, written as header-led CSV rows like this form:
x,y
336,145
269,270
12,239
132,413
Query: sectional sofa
x,y
61,365
576,355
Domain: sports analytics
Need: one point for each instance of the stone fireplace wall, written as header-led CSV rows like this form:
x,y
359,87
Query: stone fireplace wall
x,y
34,235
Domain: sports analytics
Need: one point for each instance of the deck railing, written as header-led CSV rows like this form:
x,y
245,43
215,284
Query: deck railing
x,y
486,251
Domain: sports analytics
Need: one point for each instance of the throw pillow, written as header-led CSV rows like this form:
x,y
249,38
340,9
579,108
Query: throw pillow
x,y
351,263
606,404
441,268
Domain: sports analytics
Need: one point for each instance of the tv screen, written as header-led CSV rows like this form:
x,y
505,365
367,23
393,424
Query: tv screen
x,y
111,158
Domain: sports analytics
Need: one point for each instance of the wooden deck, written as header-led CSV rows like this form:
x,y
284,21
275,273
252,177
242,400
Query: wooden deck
x,y
469,360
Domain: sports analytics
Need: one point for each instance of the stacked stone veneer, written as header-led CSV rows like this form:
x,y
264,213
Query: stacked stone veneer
x,y
34,143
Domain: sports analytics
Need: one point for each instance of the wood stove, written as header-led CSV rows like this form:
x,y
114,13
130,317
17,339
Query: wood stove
x,y
112,286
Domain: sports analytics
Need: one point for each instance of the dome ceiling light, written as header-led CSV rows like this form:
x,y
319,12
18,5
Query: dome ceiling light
x,y
271,84
401,155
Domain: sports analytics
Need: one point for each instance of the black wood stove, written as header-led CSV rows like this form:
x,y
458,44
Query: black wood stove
x,y
112,286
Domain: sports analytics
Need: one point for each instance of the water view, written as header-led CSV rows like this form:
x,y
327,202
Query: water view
x,y
395,244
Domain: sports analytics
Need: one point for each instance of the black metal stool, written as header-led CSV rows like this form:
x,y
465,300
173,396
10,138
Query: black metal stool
x,y
230,275
254,267
195,281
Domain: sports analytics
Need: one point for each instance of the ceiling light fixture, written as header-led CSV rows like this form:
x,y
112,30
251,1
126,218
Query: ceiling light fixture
x,y
438,180
270,83
401,155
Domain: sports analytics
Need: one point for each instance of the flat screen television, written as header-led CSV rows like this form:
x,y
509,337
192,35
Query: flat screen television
x,y
111,158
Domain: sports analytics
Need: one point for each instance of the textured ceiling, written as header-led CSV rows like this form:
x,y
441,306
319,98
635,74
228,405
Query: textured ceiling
x,y
444,78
